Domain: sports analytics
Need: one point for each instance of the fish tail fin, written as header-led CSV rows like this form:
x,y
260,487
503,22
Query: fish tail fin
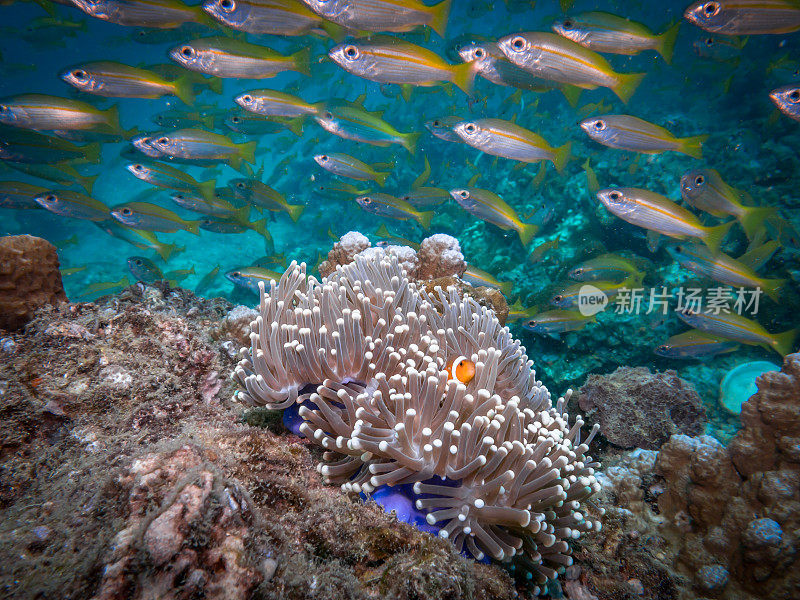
x,y
424,218
753,218
131,133
439,15
464,77
295,210
405,91
693,146
91,152
242,215
215,84
260,227
772,287
507,287
572,93
302,61
248,151
666,42
295,125
561,156
112,117
184,90
87,182
526,232
410,141
380,178
167,250
715,235
192,227
336,32
207,189
782,342
627,84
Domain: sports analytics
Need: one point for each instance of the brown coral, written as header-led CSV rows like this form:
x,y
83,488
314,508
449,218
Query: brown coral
x,y
29,278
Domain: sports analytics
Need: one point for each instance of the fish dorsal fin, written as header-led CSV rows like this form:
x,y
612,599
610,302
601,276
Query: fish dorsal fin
x,y
423,177
473,179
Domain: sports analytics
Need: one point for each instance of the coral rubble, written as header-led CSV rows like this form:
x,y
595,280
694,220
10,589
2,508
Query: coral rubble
x,y
639,409
128,473
29,278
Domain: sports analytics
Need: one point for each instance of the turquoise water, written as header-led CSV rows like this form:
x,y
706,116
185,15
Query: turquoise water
x,y
750,144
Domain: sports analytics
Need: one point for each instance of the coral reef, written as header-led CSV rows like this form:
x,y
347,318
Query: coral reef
x,y
438,256
29,278
371,360
128,473
639,409
740,505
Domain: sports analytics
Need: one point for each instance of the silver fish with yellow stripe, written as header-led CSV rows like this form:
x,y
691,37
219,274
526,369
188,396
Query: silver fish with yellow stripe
x,y
625,132
117,80
198,144
723,268
387,205
383,15
558,321
705,189
345,165
735,327
387,59
695,344
606,32
160,14
226,57
658,213
53,113
270,17
508,140
271,103
490,207
68,203
745,17
553,57
353,122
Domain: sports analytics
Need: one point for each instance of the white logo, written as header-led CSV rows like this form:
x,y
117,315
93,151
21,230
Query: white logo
x,y
591,300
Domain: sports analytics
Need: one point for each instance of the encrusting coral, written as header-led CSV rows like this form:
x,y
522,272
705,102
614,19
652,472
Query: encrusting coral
x,y
429,394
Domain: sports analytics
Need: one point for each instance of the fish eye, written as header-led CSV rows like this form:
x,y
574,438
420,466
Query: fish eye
x,y
794,96
436,124
247,98
710,8
79,74
599,125
162,140
709,41
470,128
464,194
137,262
479,52
227,5
327,114
615,195
323,157
126,211
351,52
235,119
366,200
558,298
50,198
236,274
187,51
567,23
577,271
699,180
518,43
240,185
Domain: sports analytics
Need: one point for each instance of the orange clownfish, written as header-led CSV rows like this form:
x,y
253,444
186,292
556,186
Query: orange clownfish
x,y
461,369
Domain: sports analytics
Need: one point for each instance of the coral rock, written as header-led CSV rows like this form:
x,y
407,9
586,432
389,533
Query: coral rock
x,y
344,251
639,409
29,278
440,256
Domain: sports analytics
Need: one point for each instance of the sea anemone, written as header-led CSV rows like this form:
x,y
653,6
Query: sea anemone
x,y
426,393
